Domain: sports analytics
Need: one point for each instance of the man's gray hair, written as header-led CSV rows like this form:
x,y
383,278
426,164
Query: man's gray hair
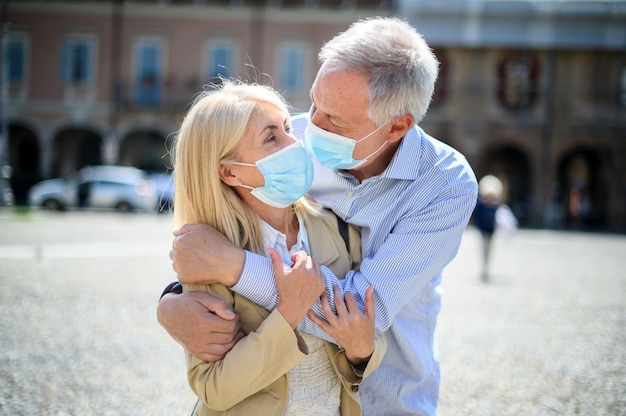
x,y
401,67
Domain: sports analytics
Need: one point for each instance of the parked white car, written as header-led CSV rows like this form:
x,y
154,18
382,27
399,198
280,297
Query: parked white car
x,y
104,187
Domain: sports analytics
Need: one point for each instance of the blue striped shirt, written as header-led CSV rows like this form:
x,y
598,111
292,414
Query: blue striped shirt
x,y
412,219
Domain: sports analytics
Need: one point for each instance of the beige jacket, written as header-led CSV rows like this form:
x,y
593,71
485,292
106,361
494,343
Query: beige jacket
x,y
252,378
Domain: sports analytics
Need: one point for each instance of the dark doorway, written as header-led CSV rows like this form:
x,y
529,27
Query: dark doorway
x,y
24,159
75,148
511,166
148,150
583,193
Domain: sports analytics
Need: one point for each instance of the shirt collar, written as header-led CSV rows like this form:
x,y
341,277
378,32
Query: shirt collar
x,y
405,163
278,241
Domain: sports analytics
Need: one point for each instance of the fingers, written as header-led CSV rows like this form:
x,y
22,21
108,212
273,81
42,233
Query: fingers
x,y
301,259
348,305
190,319
216,352
277,263
182,230
215,305
368,309
317,320
328,313
340,305
299,255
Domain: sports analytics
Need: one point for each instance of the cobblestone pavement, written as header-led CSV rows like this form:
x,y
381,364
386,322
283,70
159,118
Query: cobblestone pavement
x,y
78,333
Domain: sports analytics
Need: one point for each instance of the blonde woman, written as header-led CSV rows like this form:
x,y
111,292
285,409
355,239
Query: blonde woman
x,y
238,169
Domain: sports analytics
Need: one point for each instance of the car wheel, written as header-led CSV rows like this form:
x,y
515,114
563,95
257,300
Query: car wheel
x,y
52,204
124,207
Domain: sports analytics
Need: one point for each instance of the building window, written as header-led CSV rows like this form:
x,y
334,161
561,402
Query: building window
x,y
148,78
15,58
292,67
517,79
219,63
77,61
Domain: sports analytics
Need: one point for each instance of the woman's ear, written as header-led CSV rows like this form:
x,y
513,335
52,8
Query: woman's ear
x,y
228,176
399,126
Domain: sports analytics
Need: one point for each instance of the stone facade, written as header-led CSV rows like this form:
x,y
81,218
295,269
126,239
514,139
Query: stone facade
x,y
531,91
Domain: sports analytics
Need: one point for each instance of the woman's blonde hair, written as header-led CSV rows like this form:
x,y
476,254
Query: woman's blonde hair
x,y
209,134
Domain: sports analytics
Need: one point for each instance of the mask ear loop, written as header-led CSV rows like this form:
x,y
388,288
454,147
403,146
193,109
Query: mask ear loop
x,y
374,131
231,162
377,150
380,148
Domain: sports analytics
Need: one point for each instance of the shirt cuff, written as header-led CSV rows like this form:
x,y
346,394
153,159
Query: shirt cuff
x,y
248,265
257,281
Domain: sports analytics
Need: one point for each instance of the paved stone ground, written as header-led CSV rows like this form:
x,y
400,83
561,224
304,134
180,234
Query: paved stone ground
x,y
78,333
546,336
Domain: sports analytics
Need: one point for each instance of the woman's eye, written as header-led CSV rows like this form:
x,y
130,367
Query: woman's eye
x,y
288,129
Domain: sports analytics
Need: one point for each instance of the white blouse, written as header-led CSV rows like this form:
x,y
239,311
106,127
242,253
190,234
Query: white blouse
x,y
314,388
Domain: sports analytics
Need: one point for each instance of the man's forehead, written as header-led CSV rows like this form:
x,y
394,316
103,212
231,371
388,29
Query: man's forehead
x,y
338,100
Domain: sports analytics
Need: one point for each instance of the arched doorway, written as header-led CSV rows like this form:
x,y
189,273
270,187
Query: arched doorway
x,y
148,150
75,148
24,159
511,166
583,193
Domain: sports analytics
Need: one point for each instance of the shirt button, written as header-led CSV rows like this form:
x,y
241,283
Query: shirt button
x,y
355,388
350,193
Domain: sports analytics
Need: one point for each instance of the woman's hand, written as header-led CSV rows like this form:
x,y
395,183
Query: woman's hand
x,y
352,329
298,287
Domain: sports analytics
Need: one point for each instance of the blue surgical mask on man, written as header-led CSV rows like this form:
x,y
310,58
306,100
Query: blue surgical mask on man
x,y
288,175
334,150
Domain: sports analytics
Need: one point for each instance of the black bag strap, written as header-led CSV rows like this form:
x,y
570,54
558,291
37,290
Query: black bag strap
x,y
342,227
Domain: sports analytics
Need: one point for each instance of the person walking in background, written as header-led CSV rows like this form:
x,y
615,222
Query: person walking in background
x,y
491,214
411,194
239,170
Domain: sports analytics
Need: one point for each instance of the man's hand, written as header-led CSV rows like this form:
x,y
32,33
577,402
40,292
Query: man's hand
x,y
298,287
202,255
201,323
352,329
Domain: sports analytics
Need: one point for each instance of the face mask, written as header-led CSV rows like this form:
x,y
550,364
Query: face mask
x,y
288,175
333,150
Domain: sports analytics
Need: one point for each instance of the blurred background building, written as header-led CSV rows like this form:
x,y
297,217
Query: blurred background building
x,y
533,92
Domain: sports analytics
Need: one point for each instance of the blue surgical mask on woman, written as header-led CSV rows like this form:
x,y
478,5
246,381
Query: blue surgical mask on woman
x,y
334,150
288,175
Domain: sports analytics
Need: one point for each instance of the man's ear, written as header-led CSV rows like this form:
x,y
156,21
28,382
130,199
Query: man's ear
x,y
399,126
228,176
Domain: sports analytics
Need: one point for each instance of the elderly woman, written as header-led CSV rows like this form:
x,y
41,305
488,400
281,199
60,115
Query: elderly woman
x,y
238,169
